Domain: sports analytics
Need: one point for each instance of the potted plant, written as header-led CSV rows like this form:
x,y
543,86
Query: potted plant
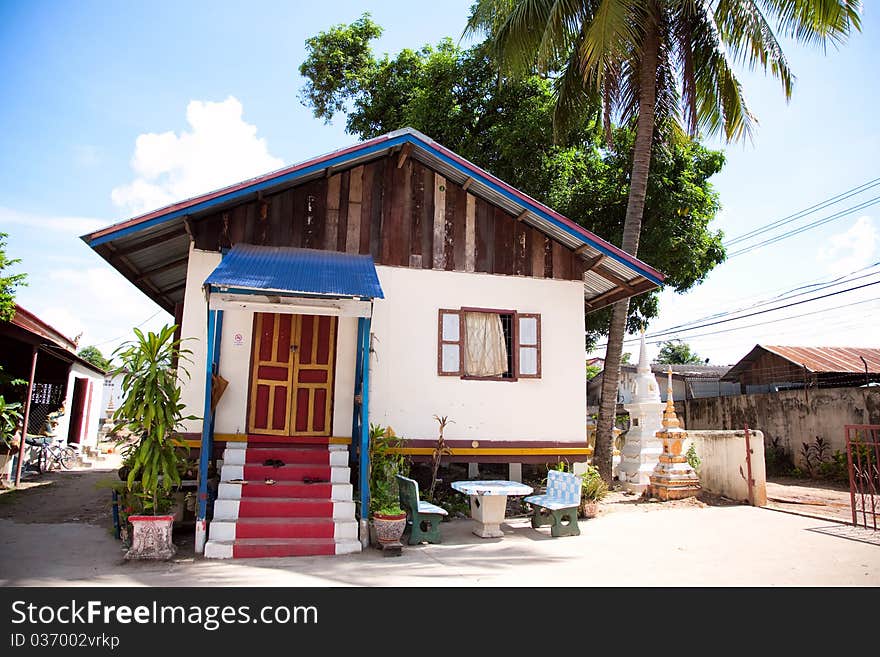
x,y
389,519
10,417
593,491
151,410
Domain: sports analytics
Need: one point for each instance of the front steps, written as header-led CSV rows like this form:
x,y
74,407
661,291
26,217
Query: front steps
x,y
295,516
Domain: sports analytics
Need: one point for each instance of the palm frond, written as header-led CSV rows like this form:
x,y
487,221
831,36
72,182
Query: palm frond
x,y
816,22
614,31
750,38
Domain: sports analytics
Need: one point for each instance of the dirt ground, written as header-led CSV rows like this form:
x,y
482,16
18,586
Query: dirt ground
x,y
811,497
81,495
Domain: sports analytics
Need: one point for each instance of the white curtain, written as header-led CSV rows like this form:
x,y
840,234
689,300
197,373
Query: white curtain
x,y
485,349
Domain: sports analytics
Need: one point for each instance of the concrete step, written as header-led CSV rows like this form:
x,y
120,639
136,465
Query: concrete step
x,y
228,530
256,488
279,547
304,455
290,472
281,507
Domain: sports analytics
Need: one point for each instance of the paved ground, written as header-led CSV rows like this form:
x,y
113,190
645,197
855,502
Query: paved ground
x,y
631,544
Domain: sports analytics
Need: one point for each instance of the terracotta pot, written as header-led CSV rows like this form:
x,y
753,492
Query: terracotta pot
x,y
389,529
588,509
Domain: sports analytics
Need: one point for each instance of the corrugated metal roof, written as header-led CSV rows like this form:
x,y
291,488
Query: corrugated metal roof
x,y
831,359
304,271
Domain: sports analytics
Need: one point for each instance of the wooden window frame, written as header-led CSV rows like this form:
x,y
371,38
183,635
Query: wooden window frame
x,y
536,346
441,341
514,339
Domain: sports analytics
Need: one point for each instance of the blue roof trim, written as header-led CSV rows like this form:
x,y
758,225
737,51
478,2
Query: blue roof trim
x,y
293,271
247,191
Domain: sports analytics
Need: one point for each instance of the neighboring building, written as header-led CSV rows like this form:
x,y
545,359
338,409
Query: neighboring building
x,y
384,283
62,379
689,381
774,368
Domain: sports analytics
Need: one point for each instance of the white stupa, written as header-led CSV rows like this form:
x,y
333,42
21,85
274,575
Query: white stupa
x,y
642,448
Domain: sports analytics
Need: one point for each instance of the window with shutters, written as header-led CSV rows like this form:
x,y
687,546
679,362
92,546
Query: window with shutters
x,y
488,344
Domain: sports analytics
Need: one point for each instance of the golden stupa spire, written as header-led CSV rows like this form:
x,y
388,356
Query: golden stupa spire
x,y
670,420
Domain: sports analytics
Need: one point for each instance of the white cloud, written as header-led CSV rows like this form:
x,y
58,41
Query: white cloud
x,y
95,301
219,149
852,249
72,225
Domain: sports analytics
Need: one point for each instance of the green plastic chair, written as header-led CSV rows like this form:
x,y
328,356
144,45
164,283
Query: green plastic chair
x,y
422,518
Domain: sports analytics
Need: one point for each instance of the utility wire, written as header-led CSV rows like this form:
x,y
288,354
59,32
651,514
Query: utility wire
x,y
788,294
758,312
806,211
801,229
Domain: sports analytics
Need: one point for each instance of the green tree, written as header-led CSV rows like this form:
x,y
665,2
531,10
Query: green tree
x,y
676,352
454,96
665,64
94,356
8,282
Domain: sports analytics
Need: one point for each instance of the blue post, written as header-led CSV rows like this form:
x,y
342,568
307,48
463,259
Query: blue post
x,y
356,408
215,326
364,322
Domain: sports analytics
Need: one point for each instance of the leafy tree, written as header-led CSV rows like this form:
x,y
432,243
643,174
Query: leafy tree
x,y
664,64
676,352
8,283
592,371
93,355
454,96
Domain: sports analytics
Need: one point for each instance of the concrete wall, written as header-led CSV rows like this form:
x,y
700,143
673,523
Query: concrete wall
x,y
405,390
791,416
724,468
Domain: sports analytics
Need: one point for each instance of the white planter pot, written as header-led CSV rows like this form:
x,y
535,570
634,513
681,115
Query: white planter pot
x,y
151,538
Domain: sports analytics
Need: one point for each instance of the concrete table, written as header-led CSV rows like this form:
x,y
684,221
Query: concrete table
x,y
489,503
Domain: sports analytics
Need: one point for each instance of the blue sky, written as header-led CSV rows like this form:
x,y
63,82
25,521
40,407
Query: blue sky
x,y
111,107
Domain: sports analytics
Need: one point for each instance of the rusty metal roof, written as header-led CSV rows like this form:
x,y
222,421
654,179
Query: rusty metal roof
x,y
151,250
831,359
816,360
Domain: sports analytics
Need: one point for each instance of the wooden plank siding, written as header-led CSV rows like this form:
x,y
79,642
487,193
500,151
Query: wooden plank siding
x,y
405,215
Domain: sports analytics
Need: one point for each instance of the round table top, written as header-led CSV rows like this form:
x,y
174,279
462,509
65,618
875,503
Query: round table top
x,y
492,487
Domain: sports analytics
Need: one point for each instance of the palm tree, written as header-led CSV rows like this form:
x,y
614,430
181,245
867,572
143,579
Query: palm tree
x,y
666,64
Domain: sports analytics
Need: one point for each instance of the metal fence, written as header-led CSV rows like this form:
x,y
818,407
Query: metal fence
x,y
863,460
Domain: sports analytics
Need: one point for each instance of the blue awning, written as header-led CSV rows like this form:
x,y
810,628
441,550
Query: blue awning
x,y
288,270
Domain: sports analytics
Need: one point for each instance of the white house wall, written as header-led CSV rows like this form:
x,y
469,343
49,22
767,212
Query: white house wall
x,y
195,325
92,410
405,390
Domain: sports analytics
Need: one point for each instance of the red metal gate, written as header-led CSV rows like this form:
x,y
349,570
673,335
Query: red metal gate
x,y
863,459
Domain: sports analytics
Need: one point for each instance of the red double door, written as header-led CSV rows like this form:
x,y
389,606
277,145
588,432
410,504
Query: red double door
x,y
292,371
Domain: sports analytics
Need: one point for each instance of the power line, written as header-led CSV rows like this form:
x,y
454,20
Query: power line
x,y
801,229
806,211
759,312
120,337
788,294
772,321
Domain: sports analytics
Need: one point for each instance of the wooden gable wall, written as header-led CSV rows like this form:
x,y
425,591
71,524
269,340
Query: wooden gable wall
x,y
402,213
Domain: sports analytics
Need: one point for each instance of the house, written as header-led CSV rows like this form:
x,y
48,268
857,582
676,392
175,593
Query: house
x,y
384,283
689,381
61,380
774,368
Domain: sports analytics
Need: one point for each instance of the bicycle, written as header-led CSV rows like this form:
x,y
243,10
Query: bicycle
x,y
53,454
